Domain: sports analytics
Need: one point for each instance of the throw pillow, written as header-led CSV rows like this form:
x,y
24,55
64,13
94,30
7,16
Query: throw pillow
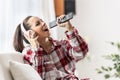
x,y
22,71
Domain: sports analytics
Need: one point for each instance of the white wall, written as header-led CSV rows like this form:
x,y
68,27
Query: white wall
x,y
12,14
99,21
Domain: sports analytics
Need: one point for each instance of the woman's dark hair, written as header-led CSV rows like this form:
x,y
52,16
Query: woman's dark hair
x,y
19,37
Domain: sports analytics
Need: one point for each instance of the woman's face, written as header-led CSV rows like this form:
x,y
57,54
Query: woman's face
x,y
39,27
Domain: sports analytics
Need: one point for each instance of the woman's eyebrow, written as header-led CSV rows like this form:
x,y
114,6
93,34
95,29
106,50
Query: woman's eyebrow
x,y
37,22
40,19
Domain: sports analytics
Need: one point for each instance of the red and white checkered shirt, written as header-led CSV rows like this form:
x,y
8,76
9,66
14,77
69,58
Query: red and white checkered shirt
x,y
59,63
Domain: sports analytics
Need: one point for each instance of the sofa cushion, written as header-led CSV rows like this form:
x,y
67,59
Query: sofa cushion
x,y
4,62
22,71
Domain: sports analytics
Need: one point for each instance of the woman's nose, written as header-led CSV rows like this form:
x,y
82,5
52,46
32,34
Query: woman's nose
x,y
43,23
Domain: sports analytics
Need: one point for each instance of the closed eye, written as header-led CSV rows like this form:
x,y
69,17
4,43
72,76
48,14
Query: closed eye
x,y
37,23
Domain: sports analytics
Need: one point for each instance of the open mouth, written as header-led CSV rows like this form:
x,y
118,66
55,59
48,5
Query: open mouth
x,y
46,30
44,27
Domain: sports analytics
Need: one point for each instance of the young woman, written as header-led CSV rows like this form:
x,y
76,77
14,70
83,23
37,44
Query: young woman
x,y
53,59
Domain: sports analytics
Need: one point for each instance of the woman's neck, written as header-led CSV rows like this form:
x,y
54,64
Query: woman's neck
x,y
46,44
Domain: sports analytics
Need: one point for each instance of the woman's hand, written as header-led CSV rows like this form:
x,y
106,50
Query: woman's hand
x,y
32,38
66,25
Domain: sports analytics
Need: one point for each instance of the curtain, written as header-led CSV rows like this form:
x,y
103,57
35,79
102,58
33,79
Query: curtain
x,y
12,12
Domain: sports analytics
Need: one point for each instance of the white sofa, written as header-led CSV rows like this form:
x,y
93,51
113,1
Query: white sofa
x,y
5,73
12,67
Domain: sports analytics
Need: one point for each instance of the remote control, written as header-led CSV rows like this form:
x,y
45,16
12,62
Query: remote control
x,y
66,18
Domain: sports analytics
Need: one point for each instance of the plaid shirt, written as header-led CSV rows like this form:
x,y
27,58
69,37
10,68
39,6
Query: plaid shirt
x,y
59,63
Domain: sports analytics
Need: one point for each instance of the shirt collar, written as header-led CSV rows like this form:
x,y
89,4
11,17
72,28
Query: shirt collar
x,y
54,42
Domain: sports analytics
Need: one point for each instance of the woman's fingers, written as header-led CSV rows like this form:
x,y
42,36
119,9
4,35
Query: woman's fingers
x,y
36,37
30,35
60,18
61,24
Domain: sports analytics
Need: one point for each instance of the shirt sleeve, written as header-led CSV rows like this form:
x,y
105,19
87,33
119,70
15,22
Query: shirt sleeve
x,y
28,54
79,47
36,61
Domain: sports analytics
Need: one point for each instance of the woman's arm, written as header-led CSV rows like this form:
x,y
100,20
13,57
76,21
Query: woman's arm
x,y
79,47
29,55
35,59
75,45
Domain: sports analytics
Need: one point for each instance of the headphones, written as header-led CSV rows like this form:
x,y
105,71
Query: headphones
x,y
29,33
23,28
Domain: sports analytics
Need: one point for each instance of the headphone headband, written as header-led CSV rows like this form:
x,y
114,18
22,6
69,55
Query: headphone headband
x,y
22,28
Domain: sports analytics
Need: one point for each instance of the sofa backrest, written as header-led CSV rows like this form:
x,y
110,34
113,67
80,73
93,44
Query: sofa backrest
x,y
4,64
